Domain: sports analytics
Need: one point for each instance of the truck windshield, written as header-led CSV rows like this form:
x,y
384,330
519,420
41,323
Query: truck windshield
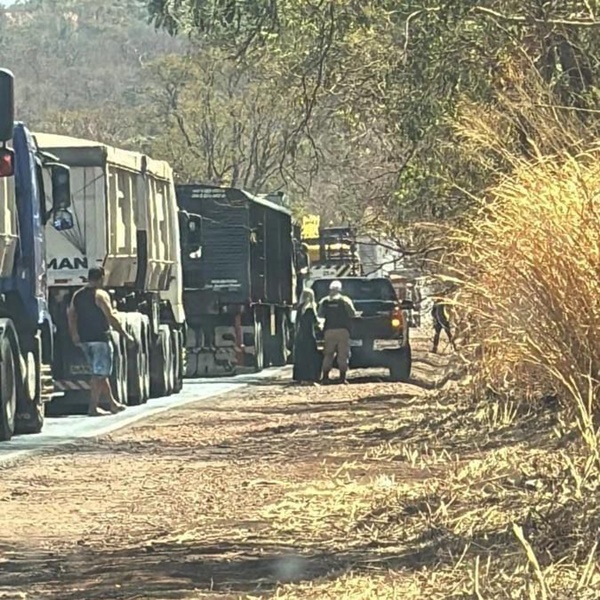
x,y
358,289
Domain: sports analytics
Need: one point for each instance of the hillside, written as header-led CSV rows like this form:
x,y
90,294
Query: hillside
x,y
100,70
82,54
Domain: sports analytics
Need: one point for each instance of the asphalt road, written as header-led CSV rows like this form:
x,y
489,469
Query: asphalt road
x,y
68,429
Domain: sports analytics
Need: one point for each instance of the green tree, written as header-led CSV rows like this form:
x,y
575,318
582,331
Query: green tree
x,y
404,70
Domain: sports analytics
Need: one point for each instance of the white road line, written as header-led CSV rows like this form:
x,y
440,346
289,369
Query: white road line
x,y
59,431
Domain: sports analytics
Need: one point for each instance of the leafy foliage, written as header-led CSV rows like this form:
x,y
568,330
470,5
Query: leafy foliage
x,y
359,109
404,70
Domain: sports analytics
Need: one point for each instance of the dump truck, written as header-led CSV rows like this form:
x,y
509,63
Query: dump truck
x,y
126,221
26,328
238,278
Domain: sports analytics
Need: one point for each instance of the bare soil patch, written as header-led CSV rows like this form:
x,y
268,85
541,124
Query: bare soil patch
x,y
370,490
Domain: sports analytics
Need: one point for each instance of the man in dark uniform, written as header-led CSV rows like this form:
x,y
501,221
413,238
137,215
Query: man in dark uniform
x,y
90,317
441,322
338,312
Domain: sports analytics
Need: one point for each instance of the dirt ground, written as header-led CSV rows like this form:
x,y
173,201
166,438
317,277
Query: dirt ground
x,y
370,490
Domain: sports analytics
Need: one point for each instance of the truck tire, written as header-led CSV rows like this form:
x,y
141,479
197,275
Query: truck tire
x,y
177,345
170,362
8,389
191,366
401,364
279,347
159,363
259,347
135,362
146,351
118,378
289,339
31,407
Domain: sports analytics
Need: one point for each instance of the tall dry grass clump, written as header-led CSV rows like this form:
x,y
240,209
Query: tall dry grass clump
x,y
530,260
532,286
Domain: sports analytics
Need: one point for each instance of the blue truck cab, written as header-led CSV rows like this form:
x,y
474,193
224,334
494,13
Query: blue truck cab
x,y
26,329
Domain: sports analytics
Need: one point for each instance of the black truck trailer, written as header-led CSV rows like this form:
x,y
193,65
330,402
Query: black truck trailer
x,y
238,278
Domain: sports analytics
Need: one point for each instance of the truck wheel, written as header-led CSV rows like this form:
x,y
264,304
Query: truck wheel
x,y
146,352
279,347
291,332
259,347
31,407
177,346
191,365
124,369
401,364
8,390
169,362
135,363
159,357
118,378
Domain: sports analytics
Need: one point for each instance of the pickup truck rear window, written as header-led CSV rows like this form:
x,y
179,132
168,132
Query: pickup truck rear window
x,y
358,289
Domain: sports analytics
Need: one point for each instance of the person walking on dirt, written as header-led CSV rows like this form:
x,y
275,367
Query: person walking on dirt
x,y
338,311
90,316
441,322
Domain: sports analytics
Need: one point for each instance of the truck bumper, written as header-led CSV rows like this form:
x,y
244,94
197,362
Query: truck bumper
x,y
71,385
368,354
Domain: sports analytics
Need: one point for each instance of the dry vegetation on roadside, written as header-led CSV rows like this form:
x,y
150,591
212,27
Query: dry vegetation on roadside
x,y
374,490
528,267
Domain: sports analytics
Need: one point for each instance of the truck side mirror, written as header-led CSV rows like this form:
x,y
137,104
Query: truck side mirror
x,y
7,105
191,233
7,162
62,217
61,186
407,305
194,225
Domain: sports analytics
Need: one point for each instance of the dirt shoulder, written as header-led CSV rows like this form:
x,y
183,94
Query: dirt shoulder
x,y
371,490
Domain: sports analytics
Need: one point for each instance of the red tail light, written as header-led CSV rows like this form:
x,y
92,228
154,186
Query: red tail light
x,y
397,318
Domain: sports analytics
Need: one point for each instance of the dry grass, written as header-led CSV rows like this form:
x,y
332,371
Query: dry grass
x,y
475,505
374,490
529,262
529,306
534,300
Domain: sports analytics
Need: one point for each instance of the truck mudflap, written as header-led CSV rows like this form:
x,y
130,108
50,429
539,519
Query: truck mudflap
x,y
232,354
71,385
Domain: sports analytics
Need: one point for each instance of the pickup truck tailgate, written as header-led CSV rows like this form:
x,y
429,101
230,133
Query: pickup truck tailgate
x,y
375,320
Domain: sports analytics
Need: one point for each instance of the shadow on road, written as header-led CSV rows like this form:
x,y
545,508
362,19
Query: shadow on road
x,y
172,571
339,427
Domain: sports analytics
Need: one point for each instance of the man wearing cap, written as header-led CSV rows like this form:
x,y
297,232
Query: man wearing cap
x,y
338,311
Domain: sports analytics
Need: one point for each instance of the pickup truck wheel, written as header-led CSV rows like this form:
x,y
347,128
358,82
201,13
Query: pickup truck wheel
x,y
31,407
8,390
401,364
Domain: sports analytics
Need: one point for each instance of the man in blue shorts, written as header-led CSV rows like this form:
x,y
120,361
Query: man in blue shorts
x,y
91,316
